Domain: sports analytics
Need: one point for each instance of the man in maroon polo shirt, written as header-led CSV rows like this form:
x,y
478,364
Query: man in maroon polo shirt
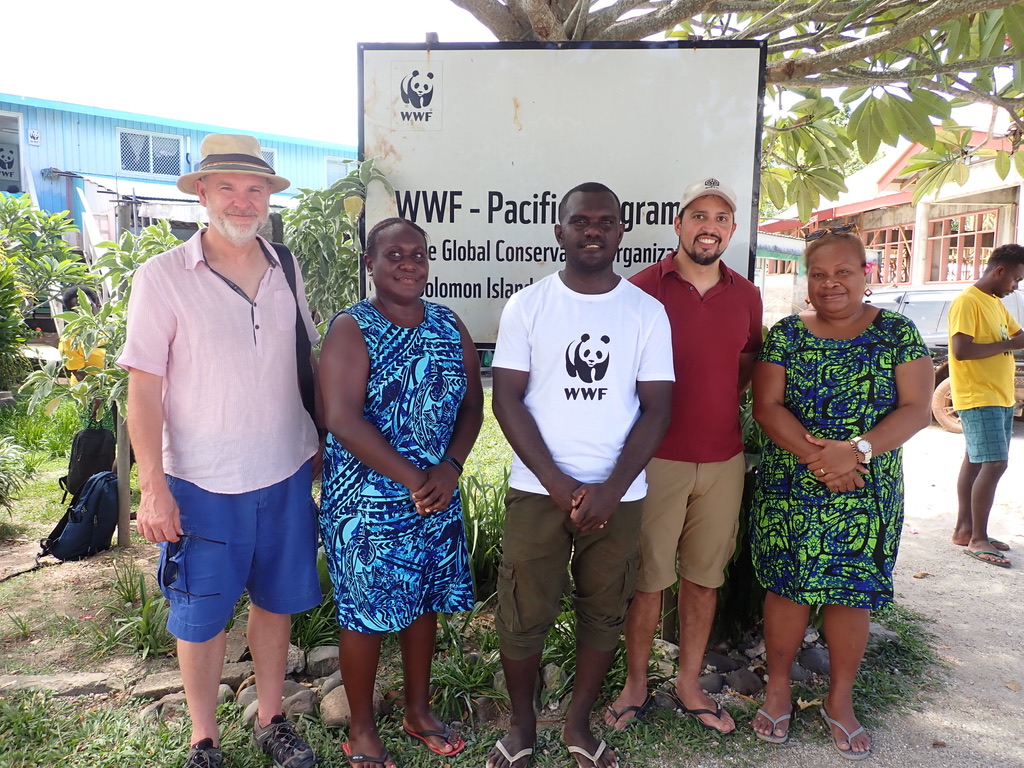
x,y
695,480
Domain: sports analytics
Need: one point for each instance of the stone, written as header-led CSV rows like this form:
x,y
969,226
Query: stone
x,y
744,682
249,716
811,636
666,669
330,683
70,684
291,688
334,708
158,685
301,703
815,659
665,649
879,635
151,713
296,661
499,682
224,694
754,651
719,662
713,682
553,677
322,661
164,708
663,701
246,696
800,675
236,673
237,647
484,710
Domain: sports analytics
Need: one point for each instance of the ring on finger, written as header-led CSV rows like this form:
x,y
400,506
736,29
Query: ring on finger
x,y
821,471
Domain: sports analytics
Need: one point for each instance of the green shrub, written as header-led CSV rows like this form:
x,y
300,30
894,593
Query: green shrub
x,y
483,512
13,365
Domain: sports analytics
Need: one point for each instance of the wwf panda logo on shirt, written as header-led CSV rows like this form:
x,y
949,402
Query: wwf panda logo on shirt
x,y
587,359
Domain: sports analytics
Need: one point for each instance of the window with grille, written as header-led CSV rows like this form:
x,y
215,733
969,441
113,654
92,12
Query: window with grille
x,y
151,154
895,246
959,245
269,157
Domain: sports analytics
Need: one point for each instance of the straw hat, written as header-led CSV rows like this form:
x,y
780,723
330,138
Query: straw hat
x,y
231,153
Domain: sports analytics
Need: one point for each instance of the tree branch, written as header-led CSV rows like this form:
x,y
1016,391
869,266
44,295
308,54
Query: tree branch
x,y
496,16
666,17
914,26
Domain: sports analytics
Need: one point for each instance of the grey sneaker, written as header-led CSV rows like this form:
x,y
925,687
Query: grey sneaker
x,y
203,755
282,744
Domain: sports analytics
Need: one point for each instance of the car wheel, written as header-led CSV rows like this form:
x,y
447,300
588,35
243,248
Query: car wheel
x,y
942,408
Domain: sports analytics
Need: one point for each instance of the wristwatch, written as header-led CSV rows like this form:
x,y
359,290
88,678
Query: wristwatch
x,y
863,446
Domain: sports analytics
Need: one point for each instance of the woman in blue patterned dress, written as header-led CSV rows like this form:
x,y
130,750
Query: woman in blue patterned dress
x,y
403,403
838,389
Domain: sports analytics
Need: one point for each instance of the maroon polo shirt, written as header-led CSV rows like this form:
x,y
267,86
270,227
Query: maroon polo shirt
x,y
708,335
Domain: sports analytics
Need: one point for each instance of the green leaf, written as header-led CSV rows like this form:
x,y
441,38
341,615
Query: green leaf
x,y
1018,161
1013,23
1002,164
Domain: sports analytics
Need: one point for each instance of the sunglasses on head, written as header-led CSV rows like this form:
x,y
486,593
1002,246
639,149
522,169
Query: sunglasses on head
x,y
842,229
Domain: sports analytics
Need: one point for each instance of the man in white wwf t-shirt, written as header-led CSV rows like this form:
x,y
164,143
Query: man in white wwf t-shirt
x,y
582,390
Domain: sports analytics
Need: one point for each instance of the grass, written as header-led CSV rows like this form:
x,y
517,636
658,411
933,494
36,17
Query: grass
x,y
104,731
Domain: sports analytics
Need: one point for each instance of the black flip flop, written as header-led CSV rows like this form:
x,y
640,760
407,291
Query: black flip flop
x,y
639,711
716,712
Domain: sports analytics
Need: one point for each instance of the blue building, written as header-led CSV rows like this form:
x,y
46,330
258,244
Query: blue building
x,y
114,170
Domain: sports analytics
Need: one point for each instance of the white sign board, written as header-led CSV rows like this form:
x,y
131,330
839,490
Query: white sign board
x,y
481,140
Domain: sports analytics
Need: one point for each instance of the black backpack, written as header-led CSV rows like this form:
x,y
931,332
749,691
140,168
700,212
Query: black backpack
x,y
89,523
92,451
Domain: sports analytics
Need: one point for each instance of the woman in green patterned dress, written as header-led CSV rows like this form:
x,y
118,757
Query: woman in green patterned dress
x,y
838,389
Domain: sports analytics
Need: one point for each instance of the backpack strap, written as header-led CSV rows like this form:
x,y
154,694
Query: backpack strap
x,y
45,544
303,349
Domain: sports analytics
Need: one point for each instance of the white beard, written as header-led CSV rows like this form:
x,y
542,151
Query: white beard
x,y
237,233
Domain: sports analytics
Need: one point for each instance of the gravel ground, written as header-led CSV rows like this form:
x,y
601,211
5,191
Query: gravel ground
x,y
978,615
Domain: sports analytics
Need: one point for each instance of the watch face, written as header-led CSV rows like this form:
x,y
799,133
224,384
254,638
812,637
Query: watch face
x,y
863,446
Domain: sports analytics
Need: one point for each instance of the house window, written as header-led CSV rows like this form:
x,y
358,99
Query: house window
x,y
959,246
895,246
150,154
269,157
338,168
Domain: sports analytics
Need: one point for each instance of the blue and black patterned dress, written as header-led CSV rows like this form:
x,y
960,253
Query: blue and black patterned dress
x,y
807,543
389,564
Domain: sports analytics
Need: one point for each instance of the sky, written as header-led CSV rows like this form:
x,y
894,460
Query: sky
x,y
287,67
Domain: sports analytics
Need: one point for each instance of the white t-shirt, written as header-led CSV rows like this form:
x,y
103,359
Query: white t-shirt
x,y
584,354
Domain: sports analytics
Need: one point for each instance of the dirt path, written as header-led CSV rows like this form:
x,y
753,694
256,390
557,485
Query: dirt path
x,y
978,614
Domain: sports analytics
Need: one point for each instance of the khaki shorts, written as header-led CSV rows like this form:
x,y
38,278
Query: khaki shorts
x,y
691,514
540,548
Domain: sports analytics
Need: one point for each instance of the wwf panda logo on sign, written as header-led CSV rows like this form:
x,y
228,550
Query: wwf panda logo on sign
x,y
418,89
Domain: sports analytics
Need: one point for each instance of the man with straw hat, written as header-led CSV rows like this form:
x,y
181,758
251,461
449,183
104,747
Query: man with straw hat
x,y
223,442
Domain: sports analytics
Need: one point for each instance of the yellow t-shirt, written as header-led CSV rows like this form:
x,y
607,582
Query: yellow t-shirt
x,y
74,356
988,381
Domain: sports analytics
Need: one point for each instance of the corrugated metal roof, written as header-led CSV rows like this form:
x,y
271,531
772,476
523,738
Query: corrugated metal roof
x,y
159,191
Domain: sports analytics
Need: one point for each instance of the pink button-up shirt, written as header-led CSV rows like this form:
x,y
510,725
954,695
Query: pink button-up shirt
x,y
233,416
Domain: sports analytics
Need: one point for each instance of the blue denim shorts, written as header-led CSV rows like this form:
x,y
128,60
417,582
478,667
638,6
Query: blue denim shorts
x,y
988,430
263,541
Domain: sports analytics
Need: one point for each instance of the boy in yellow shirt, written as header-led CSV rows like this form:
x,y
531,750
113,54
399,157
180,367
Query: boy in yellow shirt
x,y
982,337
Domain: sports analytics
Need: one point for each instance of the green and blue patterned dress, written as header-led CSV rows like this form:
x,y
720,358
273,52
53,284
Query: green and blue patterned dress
x,y
807,543
388,563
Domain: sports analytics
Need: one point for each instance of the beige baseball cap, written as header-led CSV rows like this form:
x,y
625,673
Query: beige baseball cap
x,y
708,186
